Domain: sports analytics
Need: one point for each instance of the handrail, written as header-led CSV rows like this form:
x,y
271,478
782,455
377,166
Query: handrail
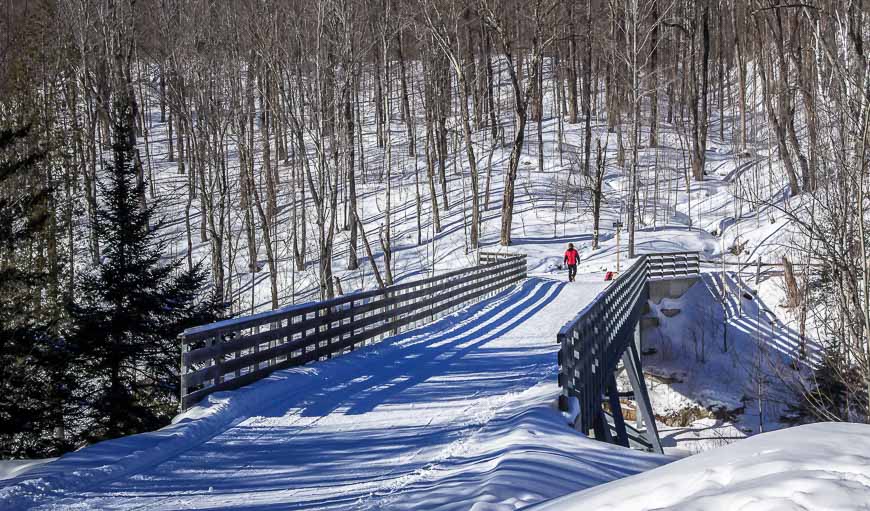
x,y
594,341
232,353
674,264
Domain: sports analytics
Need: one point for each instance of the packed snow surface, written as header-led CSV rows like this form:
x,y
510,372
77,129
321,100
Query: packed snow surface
x,y
455,415
11,468
815,467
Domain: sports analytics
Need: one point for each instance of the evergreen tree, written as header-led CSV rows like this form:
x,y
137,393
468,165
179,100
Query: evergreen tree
x,y
131,307
34,381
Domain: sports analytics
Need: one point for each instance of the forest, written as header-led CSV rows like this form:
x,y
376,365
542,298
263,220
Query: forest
x,y
164,163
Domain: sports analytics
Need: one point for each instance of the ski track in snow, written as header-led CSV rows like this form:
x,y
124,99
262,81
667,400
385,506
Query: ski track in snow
x,y
359,429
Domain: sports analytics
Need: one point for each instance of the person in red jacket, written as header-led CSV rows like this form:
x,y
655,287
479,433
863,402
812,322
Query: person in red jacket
x,y
571,257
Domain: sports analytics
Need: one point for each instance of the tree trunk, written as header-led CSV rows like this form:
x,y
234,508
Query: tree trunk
x,y
601,158
741,76
700,113
352,261
654,77
588,91
406,109
572,68
430,172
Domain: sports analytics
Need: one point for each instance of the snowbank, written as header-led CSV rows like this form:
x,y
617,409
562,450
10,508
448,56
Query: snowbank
x,y
12,468
820,467
459,414
112,459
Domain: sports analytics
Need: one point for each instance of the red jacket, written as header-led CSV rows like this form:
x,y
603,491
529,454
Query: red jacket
x,y
571,256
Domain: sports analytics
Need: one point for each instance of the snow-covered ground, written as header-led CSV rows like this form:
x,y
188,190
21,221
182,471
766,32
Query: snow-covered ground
x,y
11,468
818,467
720,366
457,414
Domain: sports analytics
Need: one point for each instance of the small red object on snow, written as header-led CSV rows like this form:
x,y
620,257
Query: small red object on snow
x,y
608,275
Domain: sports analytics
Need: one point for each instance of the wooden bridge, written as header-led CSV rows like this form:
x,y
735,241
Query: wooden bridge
x,y
367,428
595,345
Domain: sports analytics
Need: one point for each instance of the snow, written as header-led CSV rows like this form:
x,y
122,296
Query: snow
x,y
743,389
453,415
10,468
458,414
821,467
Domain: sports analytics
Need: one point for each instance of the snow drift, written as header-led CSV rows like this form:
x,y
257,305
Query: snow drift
x,y
822,466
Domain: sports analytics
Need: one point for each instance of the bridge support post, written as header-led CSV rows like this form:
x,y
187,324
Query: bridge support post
x,y
631,361
616,411
181,373
601,427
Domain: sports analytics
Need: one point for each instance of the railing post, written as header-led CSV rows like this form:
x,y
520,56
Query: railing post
x,y
274,342
237,353
181,372
392,317
350,308
217,361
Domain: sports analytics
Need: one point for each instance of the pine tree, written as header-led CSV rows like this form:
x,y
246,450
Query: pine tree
x,y
34,380
131,307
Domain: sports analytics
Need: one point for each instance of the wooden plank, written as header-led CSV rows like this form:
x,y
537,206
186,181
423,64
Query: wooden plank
x,y
306,355
322,351
235,383
264,318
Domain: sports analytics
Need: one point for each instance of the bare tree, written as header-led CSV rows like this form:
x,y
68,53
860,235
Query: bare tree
x,y
542,10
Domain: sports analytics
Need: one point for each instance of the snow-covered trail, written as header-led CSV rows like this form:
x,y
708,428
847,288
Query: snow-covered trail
x,y
362,427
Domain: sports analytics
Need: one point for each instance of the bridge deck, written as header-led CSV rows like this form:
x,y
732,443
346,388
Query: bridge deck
x,y
351,430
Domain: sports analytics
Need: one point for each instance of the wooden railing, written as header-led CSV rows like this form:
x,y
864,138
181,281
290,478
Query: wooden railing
x,y
490,257
674,265
603,333
232,353
593,342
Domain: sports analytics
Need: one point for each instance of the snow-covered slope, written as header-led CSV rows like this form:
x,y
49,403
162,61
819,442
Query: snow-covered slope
x,y
719,352
454,415
815,467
